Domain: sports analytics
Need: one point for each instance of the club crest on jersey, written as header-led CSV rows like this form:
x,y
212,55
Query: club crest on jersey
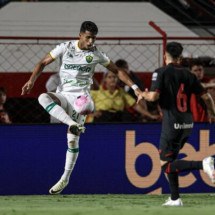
x,y
89,58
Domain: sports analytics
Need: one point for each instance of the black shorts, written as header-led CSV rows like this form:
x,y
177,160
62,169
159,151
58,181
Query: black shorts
x,y
171,142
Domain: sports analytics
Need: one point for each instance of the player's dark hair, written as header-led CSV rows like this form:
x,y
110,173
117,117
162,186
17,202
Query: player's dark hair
x,y
121,63
89,26
174,49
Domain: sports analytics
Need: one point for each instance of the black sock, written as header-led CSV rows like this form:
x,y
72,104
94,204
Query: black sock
x,y
173,185
183,165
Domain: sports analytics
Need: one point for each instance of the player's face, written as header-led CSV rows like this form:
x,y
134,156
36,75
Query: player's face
x,y
198,71
86,40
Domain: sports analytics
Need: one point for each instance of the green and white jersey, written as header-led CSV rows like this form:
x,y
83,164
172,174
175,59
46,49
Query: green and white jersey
x,y
77,66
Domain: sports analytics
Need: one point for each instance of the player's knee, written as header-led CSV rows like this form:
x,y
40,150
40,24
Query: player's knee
x,y
72,141
44,99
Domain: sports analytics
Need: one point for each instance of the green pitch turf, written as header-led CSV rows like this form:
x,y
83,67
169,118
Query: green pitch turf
x,y
194,204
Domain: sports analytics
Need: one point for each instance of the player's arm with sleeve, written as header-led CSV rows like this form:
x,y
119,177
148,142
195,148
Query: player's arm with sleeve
x,y
49,58
156,85
199,90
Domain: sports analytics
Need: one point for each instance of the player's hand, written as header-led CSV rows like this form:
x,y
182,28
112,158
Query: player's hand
x,y
26,89
144,94
138,93
150,95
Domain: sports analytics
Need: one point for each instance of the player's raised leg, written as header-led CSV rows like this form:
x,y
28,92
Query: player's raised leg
x,y
55,105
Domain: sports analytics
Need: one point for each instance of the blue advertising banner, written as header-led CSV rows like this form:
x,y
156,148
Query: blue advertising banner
x,y
113,158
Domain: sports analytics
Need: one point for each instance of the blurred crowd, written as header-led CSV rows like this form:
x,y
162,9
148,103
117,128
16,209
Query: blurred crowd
x,y
4,115
114,101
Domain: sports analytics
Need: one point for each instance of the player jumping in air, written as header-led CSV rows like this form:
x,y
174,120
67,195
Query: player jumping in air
x,y
72,101
173,85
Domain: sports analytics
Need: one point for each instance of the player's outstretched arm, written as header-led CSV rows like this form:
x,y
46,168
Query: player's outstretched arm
x,y
26,89
123,76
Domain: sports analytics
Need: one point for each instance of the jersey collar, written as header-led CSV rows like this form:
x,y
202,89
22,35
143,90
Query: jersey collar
x,y
80,50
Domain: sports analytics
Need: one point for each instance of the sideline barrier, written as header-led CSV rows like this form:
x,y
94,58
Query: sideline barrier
x,y
114,158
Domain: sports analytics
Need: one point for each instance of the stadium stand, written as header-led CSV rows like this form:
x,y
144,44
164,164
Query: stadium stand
x,y
26,37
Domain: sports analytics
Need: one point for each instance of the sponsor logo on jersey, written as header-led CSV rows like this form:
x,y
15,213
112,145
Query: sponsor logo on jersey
x,y
77,67
183,126
89,58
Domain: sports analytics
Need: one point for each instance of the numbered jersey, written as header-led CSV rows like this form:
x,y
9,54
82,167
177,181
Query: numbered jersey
x,y
77,66
175,85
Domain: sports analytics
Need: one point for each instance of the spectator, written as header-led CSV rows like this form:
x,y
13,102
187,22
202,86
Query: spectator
x,y
196,67
3,97
111,102
197,105
4,117
211,90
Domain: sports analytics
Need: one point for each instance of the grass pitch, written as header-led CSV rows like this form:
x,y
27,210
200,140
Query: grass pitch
x,y
195,204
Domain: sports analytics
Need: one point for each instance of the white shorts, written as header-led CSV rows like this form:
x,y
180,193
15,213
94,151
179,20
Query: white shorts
x,y
67,100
